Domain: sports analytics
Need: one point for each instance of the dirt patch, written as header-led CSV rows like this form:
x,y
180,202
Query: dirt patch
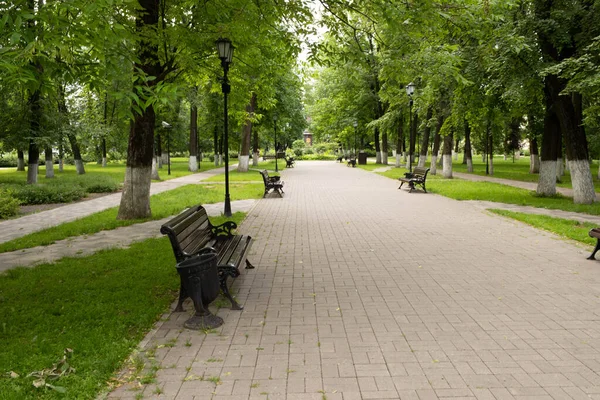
x,y
35,208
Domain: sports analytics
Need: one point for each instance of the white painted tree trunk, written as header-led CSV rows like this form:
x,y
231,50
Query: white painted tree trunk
x,y
433,166
399,162
560,168
216,160
154,169
32,173
20,164
404,156
534,164
378,157
422,161
136,192
61,165
483,158
243,163
384,157
504,157
455,155
408,162
79,167
164,158
583,184
517,155
470,165
447,173
598,169
566,165
255,160
193,164
491,165
547,180
49,169
104,161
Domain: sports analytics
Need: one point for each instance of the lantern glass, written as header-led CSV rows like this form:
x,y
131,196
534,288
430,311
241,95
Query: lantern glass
x,y
410,89
355,124
225,49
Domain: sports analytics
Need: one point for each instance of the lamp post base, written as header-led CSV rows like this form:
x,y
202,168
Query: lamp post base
x,y
227,211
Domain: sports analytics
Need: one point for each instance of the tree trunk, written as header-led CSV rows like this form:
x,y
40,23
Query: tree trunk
x,y
33,152
61,156
384,148
20,160
547,179
193,161
425,141
62,109
534,158
244,160
447,156
436,145
49,162
468,156
400,143
377,146
135,199
255,148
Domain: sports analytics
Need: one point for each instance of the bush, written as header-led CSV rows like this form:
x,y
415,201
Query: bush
x,y
8,162
319,157
101,184
46,194
9,205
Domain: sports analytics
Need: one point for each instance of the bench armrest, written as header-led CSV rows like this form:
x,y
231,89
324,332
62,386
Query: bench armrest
x,y
274,178
225,229
408,175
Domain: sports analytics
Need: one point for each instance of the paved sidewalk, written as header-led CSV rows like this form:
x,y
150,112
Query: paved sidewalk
x,y
364,291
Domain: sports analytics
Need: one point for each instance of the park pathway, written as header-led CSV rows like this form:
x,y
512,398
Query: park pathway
x,y
364,291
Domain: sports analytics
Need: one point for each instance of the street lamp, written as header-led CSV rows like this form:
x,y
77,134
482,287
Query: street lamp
x,y
275,128
410,89
355,124
168,127
225,49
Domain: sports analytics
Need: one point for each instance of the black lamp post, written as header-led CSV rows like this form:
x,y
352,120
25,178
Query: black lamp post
x,y
225,49
168,127
410,89
275,129
355,124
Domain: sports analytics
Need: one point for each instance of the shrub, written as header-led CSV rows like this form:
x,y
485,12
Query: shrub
x,y
101,184
8,162
319,157
46,194
9,205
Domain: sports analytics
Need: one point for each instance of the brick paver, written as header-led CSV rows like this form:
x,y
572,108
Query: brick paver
x,y
363,291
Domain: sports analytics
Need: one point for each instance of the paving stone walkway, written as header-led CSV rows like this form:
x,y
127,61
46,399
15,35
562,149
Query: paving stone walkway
x,y
364,291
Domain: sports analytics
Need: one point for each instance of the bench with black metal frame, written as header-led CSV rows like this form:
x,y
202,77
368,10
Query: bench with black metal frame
x,y
290,162
594,233
417,177
352,162
272,183
191,233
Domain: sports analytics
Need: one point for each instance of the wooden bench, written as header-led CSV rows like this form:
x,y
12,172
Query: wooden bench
x,y
352,162
290,162
272,183
595,233
266,157
191,233
417,177
340,158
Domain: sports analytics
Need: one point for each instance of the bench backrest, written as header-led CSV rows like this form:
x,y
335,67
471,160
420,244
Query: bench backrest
x,y
188,232
265,176
420,172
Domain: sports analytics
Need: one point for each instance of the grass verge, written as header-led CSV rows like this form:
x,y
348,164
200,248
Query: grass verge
x,y
99,306
567,228
163,205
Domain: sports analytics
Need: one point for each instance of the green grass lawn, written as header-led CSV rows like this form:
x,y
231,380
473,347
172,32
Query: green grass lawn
x,y
162,205
99,306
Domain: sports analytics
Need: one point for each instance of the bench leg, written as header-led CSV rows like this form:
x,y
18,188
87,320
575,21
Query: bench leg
x,y
266,192
182,296
401,183
225,272
248,265
592,256
411,187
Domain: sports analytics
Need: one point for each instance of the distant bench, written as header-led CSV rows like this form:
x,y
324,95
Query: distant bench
x,y
272,183
595,233
417,177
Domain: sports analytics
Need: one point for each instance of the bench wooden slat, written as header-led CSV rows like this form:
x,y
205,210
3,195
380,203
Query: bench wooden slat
x,y
417,176
271,184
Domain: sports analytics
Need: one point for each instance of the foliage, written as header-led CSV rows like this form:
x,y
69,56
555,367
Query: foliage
x,y
48,194
9,204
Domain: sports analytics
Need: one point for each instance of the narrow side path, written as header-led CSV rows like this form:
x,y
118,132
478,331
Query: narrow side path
x,y
16,228
82,246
